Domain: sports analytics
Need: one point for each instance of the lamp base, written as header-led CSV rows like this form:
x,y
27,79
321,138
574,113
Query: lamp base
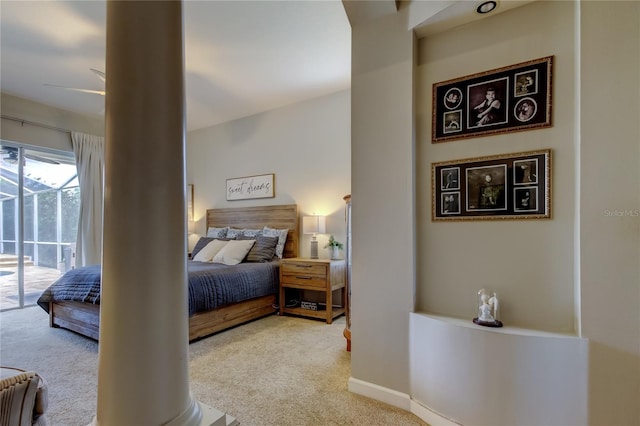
x,y
314,249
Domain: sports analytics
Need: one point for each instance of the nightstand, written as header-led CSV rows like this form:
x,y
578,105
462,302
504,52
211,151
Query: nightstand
x,y
322,275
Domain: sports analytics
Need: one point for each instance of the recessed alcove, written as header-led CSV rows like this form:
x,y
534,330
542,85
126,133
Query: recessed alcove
x,y
472,374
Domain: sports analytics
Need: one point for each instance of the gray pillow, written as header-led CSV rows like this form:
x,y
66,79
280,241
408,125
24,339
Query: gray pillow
x,y
263,250
202,242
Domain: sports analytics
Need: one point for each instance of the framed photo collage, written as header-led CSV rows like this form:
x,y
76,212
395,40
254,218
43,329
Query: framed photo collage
x,y
510,186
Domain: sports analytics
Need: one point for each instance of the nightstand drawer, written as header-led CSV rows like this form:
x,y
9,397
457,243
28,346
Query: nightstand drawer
x,y
306,269
305,280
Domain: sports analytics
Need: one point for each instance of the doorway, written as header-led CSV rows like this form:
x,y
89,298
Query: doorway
x,y
39,208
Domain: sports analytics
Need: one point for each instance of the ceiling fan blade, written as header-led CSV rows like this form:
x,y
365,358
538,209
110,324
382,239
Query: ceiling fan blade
x,y
75,89
102,76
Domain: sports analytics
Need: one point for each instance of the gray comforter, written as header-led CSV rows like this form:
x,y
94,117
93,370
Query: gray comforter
x,y
211,285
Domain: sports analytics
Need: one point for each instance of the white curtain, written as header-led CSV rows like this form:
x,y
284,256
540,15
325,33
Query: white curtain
x,y
89,153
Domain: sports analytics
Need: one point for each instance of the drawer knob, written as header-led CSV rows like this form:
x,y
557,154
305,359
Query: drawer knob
x,y
303,278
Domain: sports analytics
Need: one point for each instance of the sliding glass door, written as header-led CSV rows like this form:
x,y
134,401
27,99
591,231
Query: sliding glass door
x,y
39,207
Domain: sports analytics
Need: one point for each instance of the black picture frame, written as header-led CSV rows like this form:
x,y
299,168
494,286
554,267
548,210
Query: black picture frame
x,y
508,99
506,186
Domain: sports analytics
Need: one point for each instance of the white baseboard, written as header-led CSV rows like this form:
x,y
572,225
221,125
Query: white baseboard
x,y
432,418
382,394
399,400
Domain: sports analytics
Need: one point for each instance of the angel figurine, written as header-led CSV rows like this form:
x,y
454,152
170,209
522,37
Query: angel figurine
x,y
493,302
487,309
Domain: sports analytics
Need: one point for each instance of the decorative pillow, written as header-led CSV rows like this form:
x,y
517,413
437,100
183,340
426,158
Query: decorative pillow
x,y
282,238
232,233
244,237
210,251
251,232
217,232
202,243
233,252
263,250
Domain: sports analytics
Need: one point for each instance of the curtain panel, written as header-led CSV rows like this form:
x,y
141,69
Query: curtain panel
x,y
89,154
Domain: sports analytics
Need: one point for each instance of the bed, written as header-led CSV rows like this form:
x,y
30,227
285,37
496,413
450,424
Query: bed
x,y
83,316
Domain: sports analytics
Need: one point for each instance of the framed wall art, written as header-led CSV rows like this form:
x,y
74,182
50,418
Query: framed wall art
x,y
246,188
508,99
510,186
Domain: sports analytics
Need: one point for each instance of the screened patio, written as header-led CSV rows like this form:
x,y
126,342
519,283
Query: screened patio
x,y
39,208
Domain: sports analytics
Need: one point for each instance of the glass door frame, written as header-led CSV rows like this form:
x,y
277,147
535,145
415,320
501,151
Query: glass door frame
x,y
26,153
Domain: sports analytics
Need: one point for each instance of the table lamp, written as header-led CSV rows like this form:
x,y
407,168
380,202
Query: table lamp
x,y
313,225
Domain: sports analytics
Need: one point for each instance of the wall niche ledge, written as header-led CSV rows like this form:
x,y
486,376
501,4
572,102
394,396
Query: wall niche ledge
x,y
506,329
482,375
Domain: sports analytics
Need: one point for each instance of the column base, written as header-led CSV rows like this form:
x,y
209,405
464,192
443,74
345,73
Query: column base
x,y
210,417
213,417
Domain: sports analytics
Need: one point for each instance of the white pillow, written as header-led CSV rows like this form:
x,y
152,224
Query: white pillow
x,y
234,252
282,238
209,251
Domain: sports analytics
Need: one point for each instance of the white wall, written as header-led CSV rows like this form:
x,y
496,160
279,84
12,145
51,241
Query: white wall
x,y
507,368
513,258
306,146
583,269
24,109
609,170
514,376
383,197
603,175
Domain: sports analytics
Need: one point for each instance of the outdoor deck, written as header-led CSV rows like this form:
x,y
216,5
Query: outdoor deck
x,y
36,279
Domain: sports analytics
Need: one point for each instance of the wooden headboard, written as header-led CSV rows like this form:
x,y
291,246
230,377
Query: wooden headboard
x,y
278,217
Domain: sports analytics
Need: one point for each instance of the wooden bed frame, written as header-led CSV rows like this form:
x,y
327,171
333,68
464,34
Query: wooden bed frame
x,y
84,318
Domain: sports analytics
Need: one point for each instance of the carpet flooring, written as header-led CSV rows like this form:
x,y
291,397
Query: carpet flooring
x,y
272,371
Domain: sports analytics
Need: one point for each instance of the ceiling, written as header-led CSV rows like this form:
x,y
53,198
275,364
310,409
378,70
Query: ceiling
x,y
241,57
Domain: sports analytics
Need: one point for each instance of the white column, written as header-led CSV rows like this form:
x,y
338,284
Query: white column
x,y
143,351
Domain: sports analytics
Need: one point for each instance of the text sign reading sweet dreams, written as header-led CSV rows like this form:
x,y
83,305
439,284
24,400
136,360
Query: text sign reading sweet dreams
x,y
246,188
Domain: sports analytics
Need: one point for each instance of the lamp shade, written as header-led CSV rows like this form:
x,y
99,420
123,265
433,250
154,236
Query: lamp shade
x,y
313,225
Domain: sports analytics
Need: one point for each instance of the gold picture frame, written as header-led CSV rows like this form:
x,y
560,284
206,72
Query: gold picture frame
x,y
508,99
508,186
